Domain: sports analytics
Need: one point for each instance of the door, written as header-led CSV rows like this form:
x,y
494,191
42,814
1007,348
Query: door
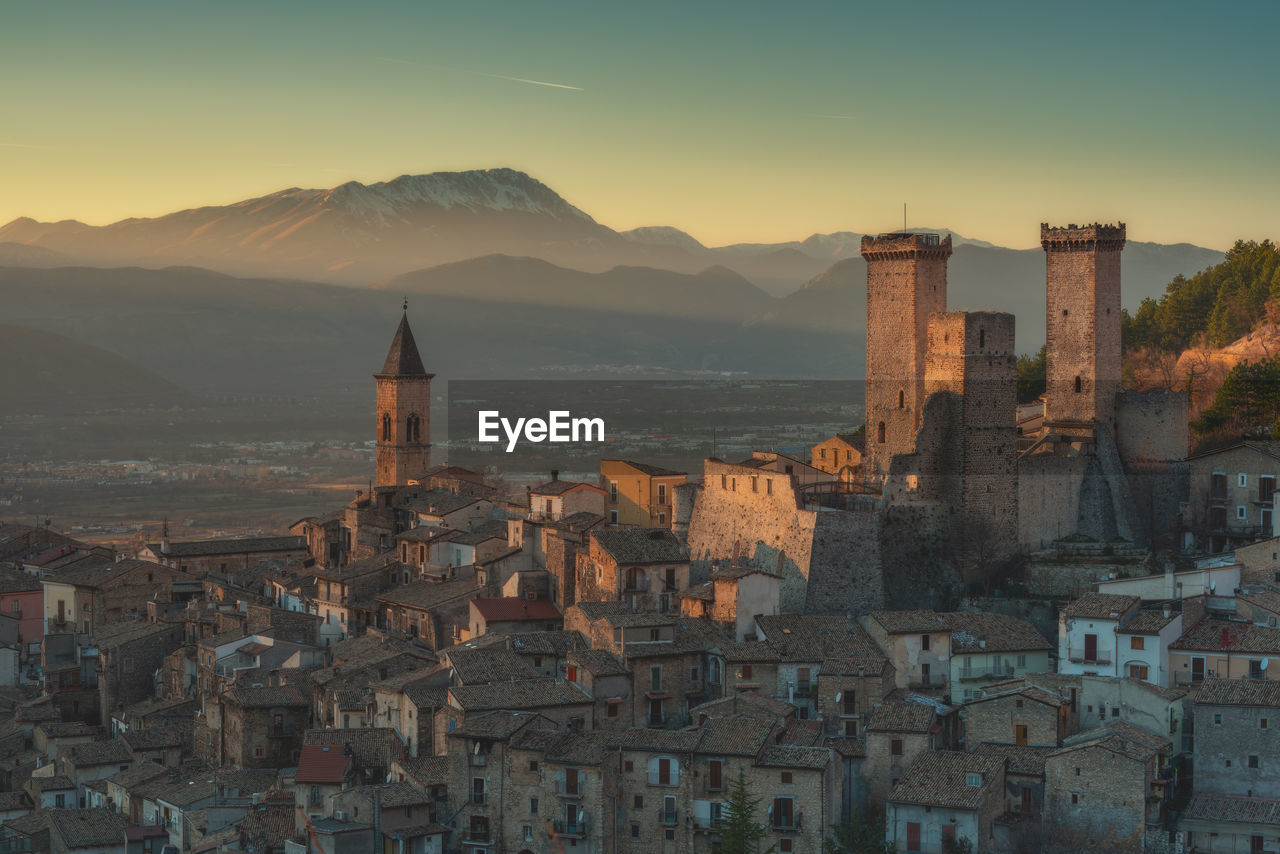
x,y
1197,669
913,836
714,779
571,781
1090,647
1026,799
1020,735
664,772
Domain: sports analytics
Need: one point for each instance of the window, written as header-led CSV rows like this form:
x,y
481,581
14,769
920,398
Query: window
x,y
783,813
784,846
1242,513
1077,385
1138,671
1217,720
635,831
755,483
715,775
528,833
629,766
745,673
1266,487
786,777
638,803
655,678
477,790
895,747
1242,480
662,493
613,492
1020,734
973,780
902,399
533,765
1253,761
924,642
533,806
1022,661
613,517
880,433
1075,797
1262,724
1137,642
982,337
386,427
612,708
850,702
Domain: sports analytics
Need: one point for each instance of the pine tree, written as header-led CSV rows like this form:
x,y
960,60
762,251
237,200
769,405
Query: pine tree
x,y
740,833
858,836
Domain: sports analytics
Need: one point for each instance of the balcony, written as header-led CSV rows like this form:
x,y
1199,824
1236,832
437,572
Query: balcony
x,y
477,837
570,830
667,817
973,674
569,790
479,759
707,824
785,824
1078,656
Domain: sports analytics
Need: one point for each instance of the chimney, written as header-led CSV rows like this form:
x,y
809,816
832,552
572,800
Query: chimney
x,y
555,475
525,608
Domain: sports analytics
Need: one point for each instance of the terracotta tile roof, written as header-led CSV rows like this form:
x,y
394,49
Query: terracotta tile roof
x,y
1099,606
896,715
546,643
910,622
853,748
560,487
1148,621
853,665
1229,635
152,738
1031,692
86,828
371,747
647,468
593,611
641,545
515,609
1151,687
1233,808
980,632
56,783
1238,692
659,740
576,523
112,752
1268,600
1020,759
583,748
244,545
791,756
598,662
513,696
438,502
734,735
485,666
813,639
323,763
746,702
496,725
398,794
425,595
749,651
15,581
941,779
265,697
268,825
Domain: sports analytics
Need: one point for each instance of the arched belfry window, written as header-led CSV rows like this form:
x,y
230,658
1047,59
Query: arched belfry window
x,y
982,338
880,433
386,427
1077,385
412,428
902,399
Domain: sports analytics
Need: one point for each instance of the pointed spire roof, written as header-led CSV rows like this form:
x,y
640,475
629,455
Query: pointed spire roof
x,y
403,359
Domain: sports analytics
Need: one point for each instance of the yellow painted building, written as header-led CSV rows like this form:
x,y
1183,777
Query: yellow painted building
x,y
841,453
638,494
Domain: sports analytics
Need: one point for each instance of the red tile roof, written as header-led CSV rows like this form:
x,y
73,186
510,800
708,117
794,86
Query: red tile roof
x,y
507,608
322,763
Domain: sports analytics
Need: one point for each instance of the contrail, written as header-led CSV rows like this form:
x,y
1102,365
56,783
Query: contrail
x,y
527,80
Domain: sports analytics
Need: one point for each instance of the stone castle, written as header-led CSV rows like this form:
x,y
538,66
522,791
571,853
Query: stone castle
x,y
957,478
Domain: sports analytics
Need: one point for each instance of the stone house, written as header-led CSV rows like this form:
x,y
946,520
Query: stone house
x,y
1107,784
546,652
563,703
393,807
1142,645
1259,562
560,786
734,597
1259,606
804,643
50,737
944,797
990,647
344,595
1237,737
899,731
1064,685
1023,777
373,749
840,455
263,727
638,494
750,666
647,568
1023,716
22,599
1232,494
97,760
437,611
918,644
103,592
558,498
1087,632
122,786
1225,824
606,678
323,771
1160,711
129,657
849,687
1225,649
53,791
505,614
441,508
202,557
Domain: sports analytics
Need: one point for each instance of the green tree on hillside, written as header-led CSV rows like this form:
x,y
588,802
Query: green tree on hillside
x,y
1032,376
1248,401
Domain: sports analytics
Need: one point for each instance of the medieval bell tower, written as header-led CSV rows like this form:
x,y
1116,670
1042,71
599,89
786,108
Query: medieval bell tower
x,y
404,411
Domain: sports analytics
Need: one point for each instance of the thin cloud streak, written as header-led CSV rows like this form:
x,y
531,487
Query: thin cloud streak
x,y
527,80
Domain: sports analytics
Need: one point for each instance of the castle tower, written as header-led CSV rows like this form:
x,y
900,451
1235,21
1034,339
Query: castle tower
x,y
906,282
972,355
1083,325
404,411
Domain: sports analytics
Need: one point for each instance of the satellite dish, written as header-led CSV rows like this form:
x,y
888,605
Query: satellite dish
x,y
1213,585
840,695
1264,663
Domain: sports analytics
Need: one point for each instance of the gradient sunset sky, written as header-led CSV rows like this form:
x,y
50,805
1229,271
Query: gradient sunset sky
x,y
734,121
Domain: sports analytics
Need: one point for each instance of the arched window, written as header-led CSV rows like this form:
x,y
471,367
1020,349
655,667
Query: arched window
x,y
902,399
1077,385
386,427
880,433
982,338
412,428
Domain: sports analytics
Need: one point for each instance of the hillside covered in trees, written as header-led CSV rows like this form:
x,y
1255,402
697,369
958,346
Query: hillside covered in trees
x,y
1215,334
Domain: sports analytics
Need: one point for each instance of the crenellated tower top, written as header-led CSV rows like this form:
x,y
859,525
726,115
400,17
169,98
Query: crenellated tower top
x,y
1094,237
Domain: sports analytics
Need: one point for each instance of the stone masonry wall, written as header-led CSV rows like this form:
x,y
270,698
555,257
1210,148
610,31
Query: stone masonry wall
x,y
400,459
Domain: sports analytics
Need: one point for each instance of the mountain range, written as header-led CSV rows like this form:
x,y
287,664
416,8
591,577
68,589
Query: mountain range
x,y
300,289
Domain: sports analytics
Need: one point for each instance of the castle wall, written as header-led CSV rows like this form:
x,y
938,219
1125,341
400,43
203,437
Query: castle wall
x,y
1049,497
1152,425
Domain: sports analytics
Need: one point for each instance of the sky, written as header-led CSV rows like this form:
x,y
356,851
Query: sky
x,y
734,121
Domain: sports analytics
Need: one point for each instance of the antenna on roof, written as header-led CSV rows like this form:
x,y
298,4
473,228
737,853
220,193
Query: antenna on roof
x,y
406,302
904,216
